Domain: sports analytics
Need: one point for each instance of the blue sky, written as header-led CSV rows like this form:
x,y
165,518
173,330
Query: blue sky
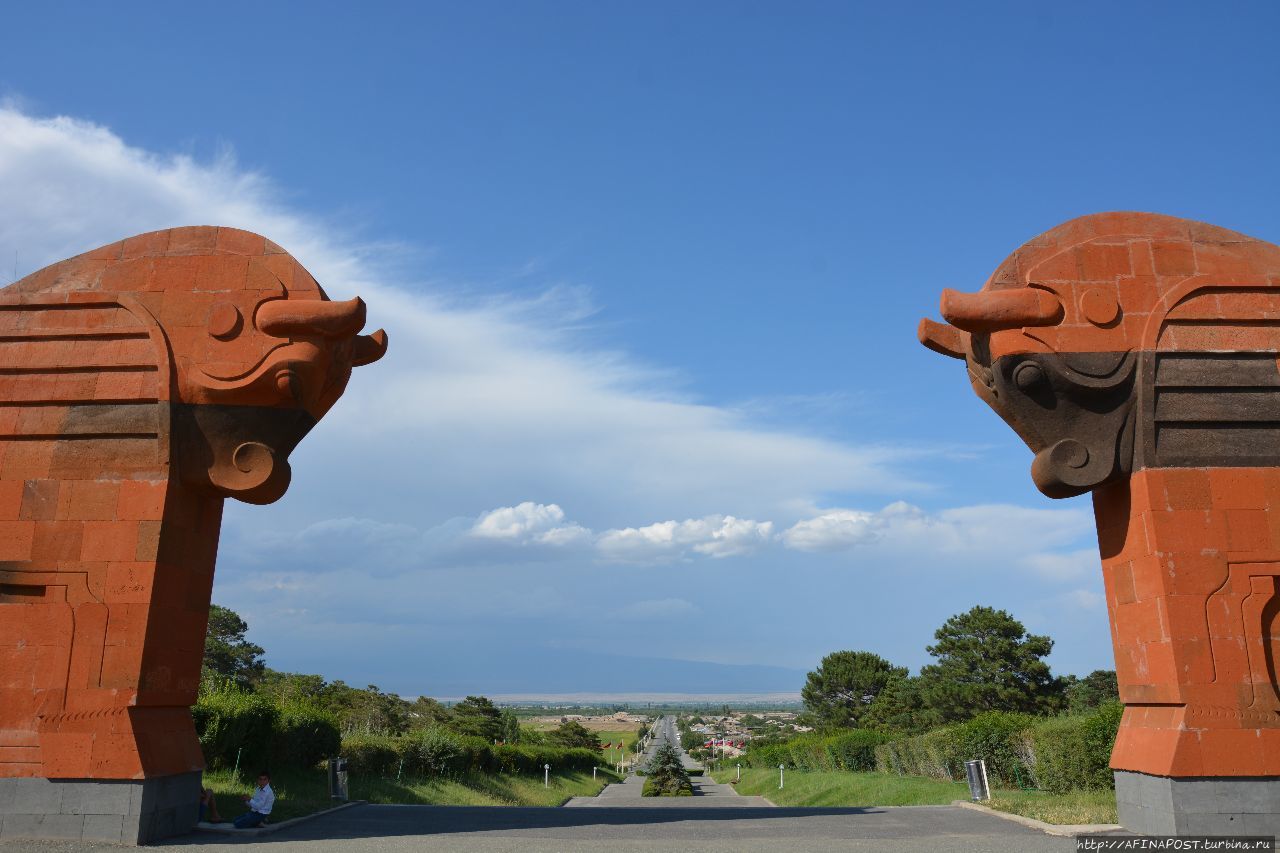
x,y
652,273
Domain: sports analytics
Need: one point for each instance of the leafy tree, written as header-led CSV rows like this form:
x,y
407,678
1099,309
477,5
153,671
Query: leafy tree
x,y
841,690
574,734
1096,688
899,708
426,712
511,732
477,716
227,654
292,686
986,661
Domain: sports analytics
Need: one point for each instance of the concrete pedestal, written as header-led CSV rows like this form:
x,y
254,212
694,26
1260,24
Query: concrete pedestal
x,y
123,811
1160,805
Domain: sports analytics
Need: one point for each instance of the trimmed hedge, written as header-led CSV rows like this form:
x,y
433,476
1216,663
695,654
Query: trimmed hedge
x,y
1069,753
851,750
438,752
305,736
262,733
1057,754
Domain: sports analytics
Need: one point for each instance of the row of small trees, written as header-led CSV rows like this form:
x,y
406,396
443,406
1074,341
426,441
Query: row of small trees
x,y
255,716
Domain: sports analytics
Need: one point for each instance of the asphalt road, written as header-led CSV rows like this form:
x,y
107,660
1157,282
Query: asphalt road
x,y
399,829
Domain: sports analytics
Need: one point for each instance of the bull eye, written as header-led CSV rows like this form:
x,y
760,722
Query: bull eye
x,y
224,321
1029,376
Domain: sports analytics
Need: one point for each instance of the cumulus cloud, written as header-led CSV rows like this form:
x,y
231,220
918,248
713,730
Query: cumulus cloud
x,y
529,522
833,530
713,536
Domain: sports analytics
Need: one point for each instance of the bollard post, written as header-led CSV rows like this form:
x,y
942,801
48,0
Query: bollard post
x,y
546,775
593,773
739,772
780,777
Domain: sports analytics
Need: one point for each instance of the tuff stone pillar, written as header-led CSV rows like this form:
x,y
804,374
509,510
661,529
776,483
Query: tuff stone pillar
x,y
141,384
1136,355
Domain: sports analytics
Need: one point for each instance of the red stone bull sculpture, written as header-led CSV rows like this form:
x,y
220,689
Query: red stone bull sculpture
x,y
141,384
1136,355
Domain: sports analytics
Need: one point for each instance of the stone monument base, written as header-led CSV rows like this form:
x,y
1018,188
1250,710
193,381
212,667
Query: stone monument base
x,y
124,811
1234,805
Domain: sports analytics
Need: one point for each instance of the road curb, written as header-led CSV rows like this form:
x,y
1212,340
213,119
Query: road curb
x,y
1067,830
228,829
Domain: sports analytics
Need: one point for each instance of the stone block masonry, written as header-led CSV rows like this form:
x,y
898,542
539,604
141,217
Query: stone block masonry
x,y
141,384
1136,355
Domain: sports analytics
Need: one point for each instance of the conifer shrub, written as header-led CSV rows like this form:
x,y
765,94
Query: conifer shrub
x,y
665,775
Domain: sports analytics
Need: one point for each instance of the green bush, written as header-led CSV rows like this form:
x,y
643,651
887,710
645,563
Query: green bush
x,y
233,723
305,735
994,737
373,755
664,788
848,750
1070,753
854,750
433,752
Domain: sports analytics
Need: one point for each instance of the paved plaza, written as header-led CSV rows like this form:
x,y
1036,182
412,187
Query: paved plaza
x,y
393,829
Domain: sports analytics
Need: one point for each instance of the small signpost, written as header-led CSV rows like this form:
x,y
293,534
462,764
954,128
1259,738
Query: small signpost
x,y
546,775
780,778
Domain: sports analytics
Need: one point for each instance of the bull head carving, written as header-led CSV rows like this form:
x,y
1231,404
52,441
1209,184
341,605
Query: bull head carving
x,y
252,351
1072,406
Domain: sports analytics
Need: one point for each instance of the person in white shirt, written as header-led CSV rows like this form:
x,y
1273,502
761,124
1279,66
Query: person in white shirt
x,y
259,804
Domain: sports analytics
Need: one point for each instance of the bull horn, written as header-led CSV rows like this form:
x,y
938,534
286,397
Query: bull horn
x,y
993,310
311,317
368,348
941,338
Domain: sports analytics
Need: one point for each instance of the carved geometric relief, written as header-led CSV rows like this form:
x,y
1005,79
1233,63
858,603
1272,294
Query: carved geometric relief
x,y
1243,627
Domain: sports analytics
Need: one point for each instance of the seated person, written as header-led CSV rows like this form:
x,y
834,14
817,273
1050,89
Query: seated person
x,y
208,807
259,804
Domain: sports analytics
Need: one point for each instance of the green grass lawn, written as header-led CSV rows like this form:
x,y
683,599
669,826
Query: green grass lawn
x,y
300,792
838,788
1071,807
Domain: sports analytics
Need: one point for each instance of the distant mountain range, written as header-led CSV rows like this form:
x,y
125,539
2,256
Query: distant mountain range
x,y
542,673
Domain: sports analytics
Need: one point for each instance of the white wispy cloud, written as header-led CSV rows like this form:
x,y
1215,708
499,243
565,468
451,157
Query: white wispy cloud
x,y
474,396
403,495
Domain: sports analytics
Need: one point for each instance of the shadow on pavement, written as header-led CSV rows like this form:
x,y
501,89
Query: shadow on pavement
x,y
372,821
